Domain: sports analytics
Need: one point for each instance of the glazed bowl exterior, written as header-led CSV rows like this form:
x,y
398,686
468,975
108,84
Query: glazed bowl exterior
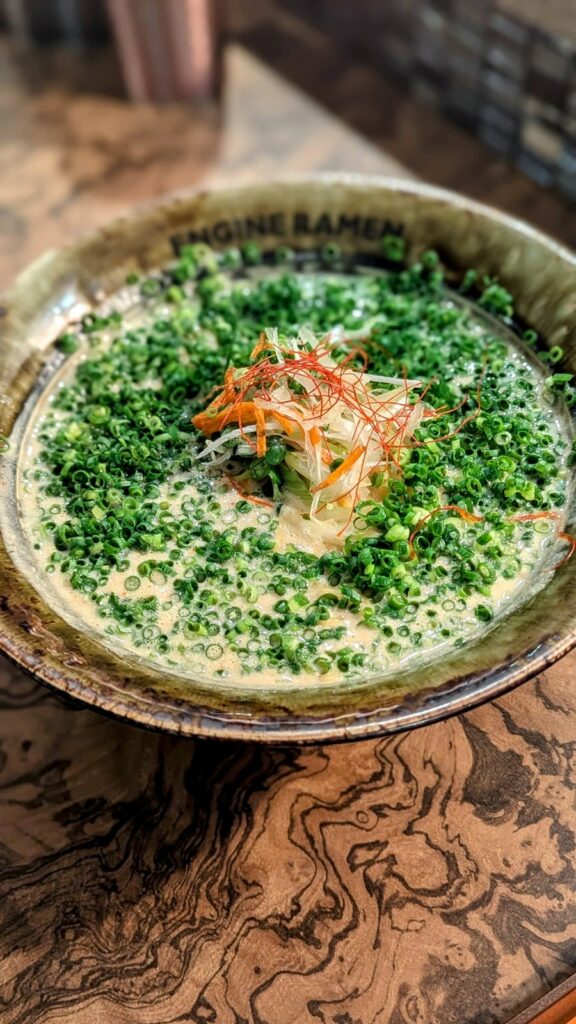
x,y
304,214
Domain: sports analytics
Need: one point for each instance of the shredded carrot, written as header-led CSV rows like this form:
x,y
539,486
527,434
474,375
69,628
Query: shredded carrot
x,y
261,345
244,412
349,461
317,437
285,422
260,431
227,392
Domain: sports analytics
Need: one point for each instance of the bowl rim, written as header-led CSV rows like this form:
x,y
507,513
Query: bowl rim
x,y
429,705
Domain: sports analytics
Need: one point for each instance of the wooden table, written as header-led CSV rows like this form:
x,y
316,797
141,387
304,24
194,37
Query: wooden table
x,y
429,878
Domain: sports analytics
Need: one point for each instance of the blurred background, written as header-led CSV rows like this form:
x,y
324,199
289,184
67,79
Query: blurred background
x,y
108,103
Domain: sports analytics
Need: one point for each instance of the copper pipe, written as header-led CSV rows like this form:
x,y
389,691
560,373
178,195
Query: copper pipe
x,y
169,49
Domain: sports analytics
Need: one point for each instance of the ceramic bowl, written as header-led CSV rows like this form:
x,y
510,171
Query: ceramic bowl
x,y
304,214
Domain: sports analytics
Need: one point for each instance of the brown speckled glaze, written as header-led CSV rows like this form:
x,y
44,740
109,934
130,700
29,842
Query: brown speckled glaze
x,y
542,277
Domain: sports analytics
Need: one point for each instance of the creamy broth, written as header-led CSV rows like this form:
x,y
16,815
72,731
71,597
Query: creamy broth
x,y
169,602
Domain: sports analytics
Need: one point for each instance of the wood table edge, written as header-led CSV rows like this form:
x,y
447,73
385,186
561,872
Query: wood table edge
x,y
556,1007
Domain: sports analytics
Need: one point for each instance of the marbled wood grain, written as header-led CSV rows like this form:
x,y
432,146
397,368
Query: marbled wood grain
x,y
428,878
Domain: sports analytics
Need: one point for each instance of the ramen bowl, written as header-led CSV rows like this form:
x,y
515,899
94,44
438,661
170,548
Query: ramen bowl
x,y
59,649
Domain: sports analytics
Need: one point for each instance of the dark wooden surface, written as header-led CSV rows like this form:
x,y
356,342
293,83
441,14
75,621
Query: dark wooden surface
x,y
429,878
